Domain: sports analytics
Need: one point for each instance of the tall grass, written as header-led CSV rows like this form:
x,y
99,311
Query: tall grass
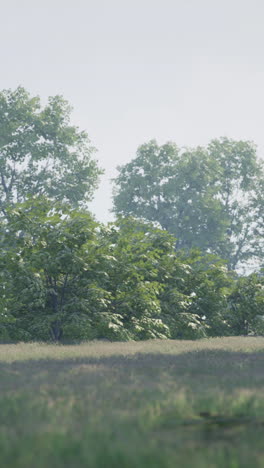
x,y
144,404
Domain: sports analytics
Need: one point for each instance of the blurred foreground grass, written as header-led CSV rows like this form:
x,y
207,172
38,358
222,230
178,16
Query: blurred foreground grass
x,y
157,404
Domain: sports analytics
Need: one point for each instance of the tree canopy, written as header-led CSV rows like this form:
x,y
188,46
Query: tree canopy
x,y
209,198
186,219
41,153
65,277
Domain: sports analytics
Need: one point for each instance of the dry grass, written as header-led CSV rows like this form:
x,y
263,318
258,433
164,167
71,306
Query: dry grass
x,y
26,351
132,405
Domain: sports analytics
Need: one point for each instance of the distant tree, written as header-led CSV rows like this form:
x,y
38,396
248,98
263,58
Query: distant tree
x,y
240,192
258,210
41,153
205,196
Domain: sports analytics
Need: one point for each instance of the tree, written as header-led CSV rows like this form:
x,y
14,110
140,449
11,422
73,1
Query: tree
x,y
41,153
136,277
203,196
65,277
159,292
246,306
51,272
238,184
258,210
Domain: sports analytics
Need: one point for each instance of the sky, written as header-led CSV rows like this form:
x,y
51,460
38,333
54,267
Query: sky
x,y
175,70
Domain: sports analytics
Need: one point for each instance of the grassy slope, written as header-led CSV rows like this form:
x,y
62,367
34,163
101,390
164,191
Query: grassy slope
x,y
149,404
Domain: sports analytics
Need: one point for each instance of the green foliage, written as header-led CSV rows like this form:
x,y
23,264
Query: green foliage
x,y
66,278
50,257
137,251
209,198
210,282
195,296
41,153
246,306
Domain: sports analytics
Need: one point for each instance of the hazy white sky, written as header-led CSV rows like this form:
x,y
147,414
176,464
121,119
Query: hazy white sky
x,y
179,70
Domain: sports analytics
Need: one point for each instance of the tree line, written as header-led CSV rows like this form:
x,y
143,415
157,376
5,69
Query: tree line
x,y
188,223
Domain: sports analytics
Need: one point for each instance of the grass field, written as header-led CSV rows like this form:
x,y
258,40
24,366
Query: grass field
x,y
157,404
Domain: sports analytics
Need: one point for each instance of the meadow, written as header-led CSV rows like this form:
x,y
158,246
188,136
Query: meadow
x,y
157,404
